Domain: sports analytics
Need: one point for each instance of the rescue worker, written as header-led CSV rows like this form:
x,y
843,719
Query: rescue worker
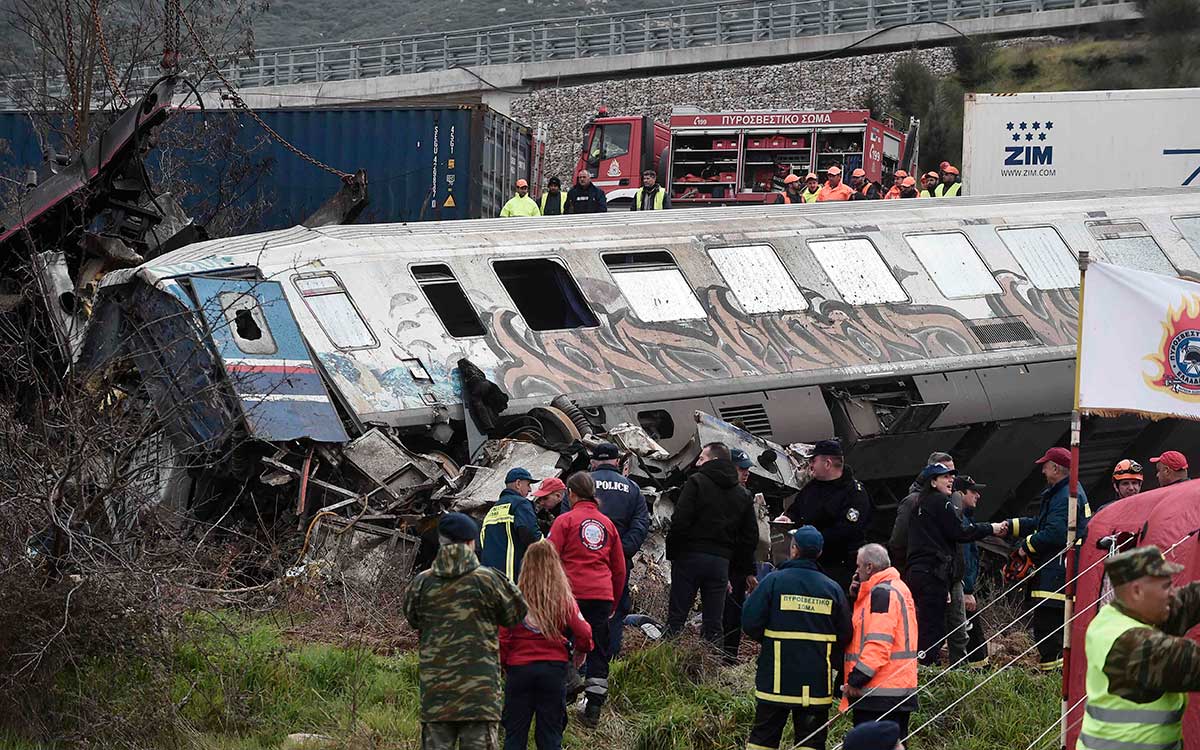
x,y
834,189
898,541
881,660
621,499
554,200
929,183
950,186
836,503
584,197
1127,480
510,526
791,190
908,188
456,607
590,549
1043,540
812,188
976,645
650,196
782,170
1139,664
549,500
934,532
521,204
897,182
714,522
864,189
742,570
802,619
1172,468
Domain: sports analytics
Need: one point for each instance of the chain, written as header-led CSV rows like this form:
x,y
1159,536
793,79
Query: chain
x,y
109,71
172,12
240,103
68,23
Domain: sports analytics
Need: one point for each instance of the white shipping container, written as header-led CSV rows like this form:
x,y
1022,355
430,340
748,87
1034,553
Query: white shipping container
x,y
1081,140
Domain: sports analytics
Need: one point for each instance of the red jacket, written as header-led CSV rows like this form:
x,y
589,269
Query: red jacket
x,y
591,553
523,644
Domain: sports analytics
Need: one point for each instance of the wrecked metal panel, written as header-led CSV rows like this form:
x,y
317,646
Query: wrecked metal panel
x,y
784,469
493,462
266,360
362,553
389,464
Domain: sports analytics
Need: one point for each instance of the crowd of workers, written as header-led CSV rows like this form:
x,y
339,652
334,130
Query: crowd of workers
x,y
841,622
584,197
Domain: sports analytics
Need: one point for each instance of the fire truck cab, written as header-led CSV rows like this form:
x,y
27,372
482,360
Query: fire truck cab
x,y
737,157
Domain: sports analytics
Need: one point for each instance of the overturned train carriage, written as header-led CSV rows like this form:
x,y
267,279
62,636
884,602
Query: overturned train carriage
x,y
901,326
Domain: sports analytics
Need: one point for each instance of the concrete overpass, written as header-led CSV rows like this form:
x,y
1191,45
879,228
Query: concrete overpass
x,y
497,64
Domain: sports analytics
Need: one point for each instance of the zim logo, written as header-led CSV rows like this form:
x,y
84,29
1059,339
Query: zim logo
x,y
1018,156
1029,147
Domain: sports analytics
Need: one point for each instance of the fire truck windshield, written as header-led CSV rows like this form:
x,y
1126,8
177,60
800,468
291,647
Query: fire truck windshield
x,y
608,141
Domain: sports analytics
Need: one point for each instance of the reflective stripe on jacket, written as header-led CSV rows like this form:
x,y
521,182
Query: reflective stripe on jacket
x,y
802,619
1113,723
502,544
942,192
1045,537
882,656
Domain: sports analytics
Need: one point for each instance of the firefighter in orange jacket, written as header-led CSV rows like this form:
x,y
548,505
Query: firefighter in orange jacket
x,y
881,660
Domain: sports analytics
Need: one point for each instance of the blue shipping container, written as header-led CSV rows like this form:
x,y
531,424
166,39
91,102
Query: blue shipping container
x,y
422,163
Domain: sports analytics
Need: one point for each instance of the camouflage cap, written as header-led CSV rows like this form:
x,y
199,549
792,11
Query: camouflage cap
x,y
1139,563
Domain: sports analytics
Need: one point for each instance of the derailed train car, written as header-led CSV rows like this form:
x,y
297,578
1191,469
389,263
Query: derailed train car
x,y
901,326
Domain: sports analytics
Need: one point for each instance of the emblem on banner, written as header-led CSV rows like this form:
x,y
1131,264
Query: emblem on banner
x,y
1178,360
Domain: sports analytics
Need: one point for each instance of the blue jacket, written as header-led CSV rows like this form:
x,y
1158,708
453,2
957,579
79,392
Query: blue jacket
x,y
622,501
970,554
802,619
1045,537
507,531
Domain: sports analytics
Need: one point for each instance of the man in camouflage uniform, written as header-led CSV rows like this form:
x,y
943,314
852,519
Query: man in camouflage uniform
x,y
1140,666
457,607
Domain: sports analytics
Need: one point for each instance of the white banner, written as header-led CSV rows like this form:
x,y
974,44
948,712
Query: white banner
x,y
1140,351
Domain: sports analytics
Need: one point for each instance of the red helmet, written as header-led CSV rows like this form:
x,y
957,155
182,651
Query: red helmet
x,y
1127,469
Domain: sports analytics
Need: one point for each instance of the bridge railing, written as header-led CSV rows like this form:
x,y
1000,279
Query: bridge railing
x,y
656,29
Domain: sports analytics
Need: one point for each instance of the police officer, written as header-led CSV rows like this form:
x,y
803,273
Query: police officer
x,y
802,619
836,503
1139,664
650,196
622,501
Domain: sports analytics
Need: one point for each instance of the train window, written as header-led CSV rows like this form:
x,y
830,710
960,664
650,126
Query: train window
x,y
247,324
856,269
654,286
1127,243
757,278
330,303
446,298
953,264
1046,259
1189,226
545,294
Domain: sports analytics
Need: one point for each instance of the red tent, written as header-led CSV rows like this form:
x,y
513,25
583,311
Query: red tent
x,y
1161,517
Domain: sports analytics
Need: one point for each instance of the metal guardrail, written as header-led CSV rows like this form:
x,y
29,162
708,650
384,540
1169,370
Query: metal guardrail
x,y
651,30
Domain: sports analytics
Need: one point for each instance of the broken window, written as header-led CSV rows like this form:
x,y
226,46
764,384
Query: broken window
x,y
247,325
545,294
1189,226
330,304
1046,259
448,301
857,271
953,264
654,286
758,279
1127,243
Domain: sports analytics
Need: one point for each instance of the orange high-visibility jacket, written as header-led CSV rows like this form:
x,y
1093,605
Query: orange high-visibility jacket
x,y
882,656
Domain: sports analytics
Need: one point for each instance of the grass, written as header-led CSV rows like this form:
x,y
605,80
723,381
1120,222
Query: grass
x,y
1086,64
240,684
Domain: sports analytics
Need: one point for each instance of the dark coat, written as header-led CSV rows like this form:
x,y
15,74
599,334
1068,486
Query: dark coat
x,y
714,514
841,511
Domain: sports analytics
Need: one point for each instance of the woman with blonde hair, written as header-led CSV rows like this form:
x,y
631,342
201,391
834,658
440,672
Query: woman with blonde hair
x,y
537,652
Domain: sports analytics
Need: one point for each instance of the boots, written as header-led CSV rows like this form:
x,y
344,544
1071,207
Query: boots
x,y
590,715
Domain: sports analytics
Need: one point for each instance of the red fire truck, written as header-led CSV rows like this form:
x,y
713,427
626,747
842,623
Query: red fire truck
x,y
738,157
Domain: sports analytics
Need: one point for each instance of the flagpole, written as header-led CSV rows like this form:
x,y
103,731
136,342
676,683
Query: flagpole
x,y
1072,508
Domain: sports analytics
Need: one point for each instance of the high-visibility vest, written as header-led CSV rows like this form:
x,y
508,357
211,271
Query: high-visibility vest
x,y
562,206
884,645
1112,723
658,199
941,192
808,197
924,194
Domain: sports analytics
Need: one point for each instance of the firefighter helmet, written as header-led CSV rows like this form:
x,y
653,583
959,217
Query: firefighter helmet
x,y
1127,468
